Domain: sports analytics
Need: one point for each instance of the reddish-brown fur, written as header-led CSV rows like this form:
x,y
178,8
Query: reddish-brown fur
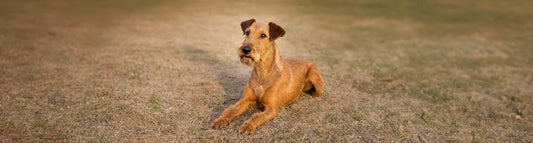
x,y
274,83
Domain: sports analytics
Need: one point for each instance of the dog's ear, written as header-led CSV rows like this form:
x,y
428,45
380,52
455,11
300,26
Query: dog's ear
x,y
275,31
246,24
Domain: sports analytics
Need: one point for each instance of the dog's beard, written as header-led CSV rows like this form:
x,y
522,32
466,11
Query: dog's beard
x,y
247,60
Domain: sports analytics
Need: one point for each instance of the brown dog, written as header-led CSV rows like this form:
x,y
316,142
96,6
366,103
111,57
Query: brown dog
x,y
274,83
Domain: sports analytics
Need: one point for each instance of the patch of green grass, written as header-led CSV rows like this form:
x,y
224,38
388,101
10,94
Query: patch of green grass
x,y
153,103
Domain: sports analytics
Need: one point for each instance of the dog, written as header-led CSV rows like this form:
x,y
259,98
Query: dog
x,y
274,82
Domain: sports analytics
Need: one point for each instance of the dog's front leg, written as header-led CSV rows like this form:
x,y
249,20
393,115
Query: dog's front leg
x,y
233,111
258,119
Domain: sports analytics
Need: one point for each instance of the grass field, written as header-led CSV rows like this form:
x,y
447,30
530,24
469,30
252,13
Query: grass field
x,y
155,71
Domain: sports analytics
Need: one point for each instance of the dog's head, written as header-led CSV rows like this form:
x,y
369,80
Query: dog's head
x,y
257,40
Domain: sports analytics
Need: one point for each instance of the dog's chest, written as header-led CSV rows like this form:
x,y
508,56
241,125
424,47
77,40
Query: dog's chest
x,y
259,91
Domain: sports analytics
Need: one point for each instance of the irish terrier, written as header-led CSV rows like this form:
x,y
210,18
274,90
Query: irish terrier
x,y
274,83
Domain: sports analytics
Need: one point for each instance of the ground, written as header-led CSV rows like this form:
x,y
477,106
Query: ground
x,y
394,70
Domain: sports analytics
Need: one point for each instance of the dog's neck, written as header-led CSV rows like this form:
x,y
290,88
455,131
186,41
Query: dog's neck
x,y
269,65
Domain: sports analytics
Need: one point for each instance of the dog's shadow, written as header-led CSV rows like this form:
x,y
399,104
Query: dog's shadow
x,y
229,75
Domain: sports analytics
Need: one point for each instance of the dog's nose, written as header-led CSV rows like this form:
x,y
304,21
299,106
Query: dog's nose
x,y
246,50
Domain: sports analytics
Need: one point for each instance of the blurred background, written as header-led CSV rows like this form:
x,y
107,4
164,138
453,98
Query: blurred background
x,y
395,70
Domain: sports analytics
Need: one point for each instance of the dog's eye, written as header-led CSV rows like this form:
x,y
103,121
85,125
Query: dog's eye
x,y
247,33
263,35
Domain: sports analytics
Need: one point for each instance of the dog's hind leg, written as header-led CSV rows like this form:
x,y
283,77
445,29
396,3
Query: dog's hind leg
x,y
314,82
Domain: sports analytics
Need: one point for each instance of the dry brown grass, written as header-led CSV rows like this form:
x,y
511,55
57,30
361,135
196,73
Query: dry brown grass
x,y
435,71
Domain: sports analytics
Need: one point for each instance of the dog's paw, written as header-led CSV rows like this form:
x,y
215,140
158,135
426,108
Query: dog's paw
x,y
247,129
219,123
317,94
